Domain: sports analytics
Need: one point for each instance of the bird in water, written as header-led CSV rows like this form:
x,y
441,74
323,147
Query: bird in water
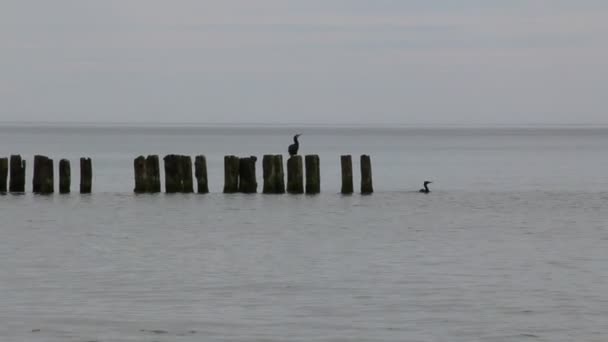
x,y
293,148
426,188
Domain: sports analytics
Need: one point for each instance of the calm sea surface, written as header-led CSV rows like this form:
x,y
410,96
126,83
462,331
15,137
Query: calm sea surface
x,y
512,245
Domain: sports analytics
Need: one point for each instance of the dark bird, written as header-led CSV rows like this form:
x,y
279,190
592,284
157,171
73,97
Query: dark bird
x,y
426,188
293,148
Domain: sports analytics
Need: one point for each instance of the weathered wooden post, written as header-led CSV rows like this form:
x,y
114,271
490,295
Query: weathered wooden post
x,y
86,175
200,171
295,175
37,180
231,174
274,178
185,171
147,174
43,181
267,187
139,168
17,174
247,179
3,174
65,176
279,178
346,163
173,178
152,174
313,174
48,178
366,175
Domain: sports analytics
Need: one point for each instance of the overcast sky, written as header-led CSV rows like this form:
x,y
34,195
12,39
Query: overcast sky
x,y
305,61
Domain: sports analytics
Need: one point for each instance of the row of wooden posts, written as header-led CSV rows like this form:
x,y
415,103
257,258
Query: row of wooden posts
x,y
43,180
239,174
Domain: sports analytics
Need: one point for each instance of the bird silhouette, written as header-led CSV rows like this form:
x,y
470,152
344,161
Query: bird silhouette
x,y
426,188
293,148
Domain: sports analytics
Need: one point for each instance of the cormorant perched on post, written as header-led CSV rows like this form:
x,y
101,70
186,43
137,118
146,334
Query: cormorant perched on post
x,y
293,148
426,188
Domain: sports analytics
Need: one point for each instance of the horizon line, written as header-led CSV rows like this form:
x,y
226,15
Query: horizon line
x,y
388,125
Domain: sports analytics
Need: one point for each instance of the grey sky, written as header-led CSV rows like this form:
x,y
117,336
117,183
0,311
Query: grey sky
x,y
310,61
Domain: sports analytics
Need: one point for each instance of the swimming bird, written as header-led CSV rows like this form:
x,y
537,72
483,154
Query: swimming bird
x,y
293,148
426,188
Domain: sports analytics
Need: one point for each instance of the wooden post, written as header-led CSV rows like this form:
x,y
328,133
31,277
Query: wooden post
x,y
267,187
65,176
247,179
200,171
231,174
48,180
279,178
17,174
37,181
295,175
346,163
186,174
274,178
173,181
147,174
139,168
3,174
366,175
152,174
86,175
313,174
43,181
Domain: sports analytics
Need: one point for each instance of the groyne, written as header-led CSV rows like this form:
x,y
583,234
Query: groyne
x,y
303,174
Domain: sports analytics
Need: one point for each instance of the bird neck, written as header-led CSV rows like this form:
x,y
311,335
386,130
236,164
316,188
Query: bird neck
x,y
426,187
295,140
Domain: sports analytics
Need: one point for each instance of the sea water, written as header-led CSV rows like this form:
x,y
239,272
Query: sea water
x,y
511,245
